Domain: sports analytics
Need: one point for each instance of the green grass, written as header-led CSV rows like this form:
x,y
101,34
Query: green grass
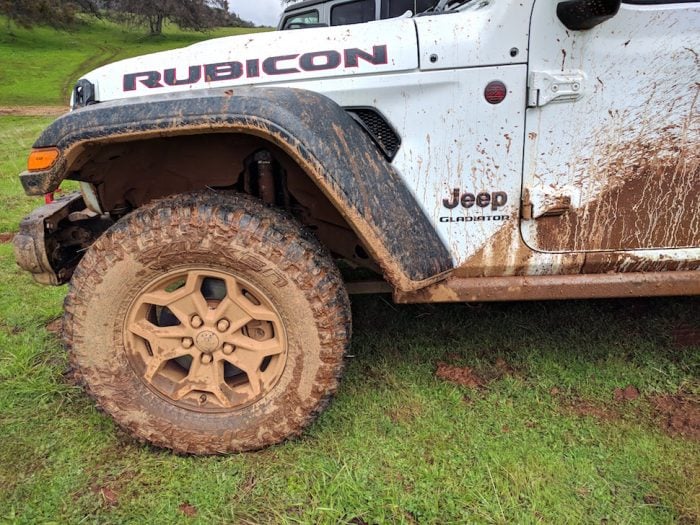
x,y
398,444
40,66
16,137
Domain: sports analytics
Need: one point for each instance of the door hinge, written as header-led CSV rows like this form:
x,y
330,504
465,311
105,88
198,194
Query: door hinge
x,y
526,206
544,87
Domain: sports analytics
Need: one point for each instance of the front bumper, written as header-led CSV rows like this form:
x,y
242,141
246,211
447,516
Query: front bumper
x,y
51,241
37,183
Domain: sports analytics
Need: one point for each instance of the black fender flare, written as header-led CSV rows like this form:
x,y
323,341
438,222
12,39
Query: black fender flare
x,y
315,131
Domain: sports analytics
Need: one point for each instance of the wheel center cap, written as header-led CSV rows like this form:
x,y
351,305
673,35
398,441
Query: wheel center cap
x,y
207,341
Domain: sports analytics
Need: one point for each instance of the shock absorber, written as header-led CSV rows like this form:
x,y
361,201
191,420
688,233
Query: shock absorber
x,y
266,177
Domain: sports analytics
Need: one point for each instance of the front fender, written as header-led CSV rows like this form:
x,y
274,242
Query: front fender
x,y
317,133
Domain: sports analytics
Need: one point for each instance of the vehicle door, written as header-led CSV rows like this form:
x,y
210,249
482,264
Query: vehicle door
x,y
612,145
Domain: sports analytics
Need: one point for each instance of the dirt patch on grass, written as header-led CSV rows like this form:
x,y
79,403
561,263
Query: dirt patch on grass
x,y
678,415
685,336
33,111
109,497
6,238
474,378
110,489
629,393
460,375
603,411
502,369
188,510
586,408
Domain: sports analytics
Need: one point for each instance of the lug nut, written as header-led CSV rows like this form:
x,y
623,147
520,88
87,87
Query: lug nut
x,y
206,359
197,321
223,325
187,343
259,333
228,349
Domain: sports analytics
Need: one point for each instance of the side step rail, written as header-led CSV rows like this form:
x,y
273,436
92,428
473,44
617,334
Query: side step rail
x,y
539,288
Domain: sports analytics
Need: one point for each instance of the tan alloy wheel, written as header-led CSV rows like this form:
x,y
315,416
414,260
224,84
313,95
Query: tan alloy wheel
x,y
205,340
208,323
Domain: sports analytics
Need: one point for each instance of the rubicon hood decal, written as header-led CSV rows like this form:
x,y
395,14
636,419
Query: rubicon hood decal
x,y
255,68
282,57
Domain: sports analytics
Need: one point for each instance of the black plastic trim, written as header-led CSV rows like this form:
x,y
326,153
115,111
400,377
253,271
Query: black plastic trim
x,y
388,139
318,133
580,15
658,2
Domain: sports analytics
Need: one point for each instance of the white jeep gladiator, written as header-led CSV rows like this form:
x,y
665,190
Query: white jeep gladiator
x,y
489,150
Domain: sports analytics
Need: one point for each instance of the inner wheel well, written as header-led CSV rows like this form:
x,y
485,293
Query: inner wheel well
x,y
127,175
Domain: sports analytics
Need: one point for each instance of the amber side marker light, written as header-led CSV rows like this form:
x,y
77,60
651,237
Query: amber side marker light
x,y
42,159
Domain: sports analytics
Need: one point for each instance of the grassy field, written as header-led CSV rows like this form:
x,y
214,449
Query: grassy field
x,y
40,66
504,413
16,136
566,412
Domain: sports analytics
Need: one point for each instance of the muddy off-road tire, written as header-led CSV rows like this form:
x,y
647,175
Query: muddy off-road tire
x,y
208,323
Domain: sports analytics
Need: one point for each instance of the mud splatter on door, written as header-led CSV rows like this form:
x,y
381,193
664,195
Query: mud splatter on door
x,y
618,169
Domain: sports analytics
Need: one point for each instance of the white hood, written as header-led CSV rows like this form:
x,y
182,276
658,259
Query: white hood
x,y
264,58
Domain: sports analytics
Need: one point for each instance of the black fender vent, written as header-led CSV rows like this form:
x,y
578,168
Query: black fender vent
x,y
379,129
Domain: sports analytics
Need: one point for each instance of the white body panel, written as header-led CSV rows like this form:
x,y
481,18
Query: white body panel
x,y
452,138
399,37
431,89
485,33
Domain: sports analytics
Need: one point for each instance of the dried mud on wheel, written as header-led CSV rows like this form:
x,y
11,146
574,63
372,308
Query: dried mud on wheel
x,y
208,323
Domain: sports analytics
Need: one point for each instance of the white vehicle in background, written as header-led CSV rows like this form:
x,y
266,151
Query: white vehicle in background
x,y
322,13
487,150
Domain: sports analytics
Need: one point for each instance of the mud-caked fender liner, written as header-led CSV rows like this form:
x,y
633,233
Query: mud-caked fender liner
x,y
317,133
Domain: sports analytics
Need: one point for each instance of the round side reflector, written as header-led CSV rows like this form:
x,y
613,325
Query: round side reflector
x,y
495,92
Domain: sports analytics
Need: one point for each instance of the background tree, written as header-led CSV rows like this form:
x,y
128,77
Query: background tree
x,y
196,15
56,13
